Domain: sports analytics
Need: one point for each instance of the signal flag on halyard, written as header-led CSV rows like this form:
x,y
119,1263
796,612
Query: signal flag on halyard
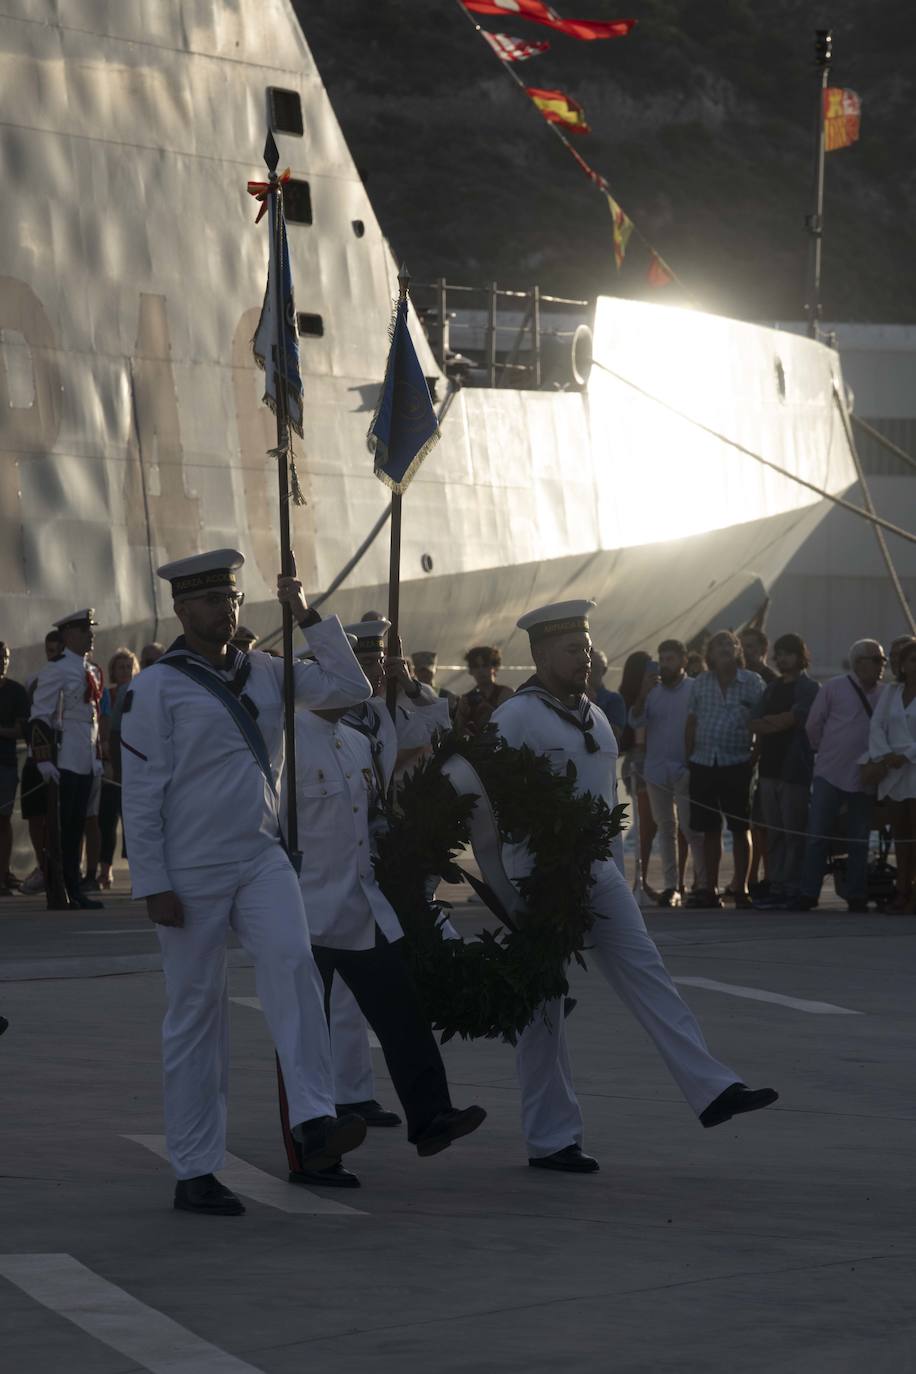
x,y
623,228
404,427
510,49
559,108
266,341
659,273
539,13
842,116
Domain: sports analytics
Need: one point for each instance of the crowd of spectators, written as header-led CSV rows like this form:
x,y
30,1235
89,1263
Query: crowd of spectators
x,y
799,773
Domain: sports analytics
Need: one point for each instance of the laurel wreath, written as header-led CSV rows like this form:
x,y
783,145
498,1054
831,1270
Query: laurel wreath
x,y
493,986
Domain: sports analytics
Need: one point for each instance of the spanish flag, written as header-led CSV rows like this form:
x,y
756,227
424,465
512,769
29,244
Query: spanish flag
x,y
842,116
559,108
623,228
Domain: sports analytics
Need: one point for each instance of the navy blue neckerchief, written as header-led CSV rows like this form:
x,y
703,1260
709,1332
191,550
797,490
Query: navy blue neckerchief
x,y
364,719
230,694
579,716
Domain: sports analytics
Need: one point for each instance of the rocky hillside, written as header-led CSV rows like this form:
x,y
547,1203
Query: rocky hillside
x,y
701,121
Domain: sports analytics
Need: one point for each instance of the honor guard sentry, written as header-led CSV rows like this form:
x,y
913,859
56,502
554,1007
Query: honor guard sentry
x,y
64,734
551,714
202,744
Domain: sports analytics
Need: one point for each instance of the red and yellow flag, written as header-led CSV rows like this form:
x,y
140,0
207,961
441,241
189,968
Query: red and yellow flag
x,y
623,228
587,30
559,108
842,116
659,273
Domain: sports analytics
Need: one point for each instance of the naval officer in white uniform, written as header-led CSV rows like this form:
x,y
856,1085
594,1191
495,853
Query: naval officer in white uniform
x,y
64,732
355,932
419,713
202,746
551,714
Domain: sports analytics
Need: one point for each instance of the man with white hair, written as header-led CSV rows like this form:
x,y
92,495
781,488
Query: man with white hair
x,y
837,726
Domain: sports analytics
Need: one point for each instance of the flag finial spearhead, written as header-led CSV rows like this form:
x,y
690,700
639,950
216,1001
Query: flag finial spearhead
x,y
403,281
271,152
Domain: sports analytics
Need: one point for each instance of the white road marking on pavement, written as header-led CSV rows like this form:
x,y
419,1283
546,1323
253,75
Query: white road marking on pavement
x,y
254,1183
256,1004
138,1332
759,995
122,930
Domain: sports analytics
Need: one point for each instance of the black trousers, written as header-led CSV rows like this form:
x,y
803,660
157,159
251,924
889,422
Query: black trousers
x,y
74,789
384,990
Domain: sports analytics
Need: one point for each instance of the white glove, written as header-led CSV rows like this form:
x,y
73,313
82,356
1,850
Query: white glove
x,y
48,772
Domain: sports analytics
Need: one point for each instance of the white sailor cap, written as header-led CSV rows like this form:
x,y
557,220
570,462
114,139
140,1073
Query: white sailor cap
x,y
308,653
560,618
203,572
370,635
425,658
83,617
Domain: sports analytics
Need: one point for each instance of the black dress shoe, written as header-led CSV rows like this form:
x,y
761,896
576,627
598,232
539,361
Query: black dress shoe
x,y
324,1139
206,1194
571,1160
335,1177
448,1126
735,1100
372,1112
670,897
81,903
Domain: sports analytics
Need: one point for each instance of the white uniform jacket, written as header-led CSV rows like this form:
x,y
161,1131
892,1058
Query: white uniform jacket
x,y
335,786
193,793
420,717
373,716
526,719
78,719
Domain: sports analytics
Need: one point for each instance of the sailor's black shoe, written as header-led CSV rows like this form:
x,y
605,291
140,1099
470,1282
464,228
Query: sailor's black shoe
x,y
79,902
321,1141
372,1112
335,1177
735,1100
570,1160
206,1194
448,1126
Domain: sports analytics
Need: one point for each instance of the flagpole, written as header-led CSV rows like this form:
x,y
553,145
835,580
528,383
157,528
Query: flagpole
x,y
287,561
814,223
394,557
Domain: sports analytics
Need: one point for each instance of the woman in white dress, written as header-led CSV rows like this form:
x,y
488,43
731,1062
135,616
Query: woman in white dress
x,y
892,742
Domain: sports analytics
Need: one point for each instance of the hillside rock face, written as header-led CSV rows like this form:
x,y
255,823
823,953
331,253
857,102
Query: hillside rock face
x,y
702,123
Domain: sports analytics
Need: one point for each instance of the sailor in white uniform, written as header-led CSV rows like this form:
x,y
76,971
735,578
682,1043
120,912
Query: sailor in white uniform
x,y
66,699
202,746
552,715
356,933
391,745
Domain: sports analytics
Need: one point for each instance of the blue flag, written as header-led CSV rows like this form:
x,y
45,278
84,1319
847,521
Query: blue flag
x,y
405,427
266,341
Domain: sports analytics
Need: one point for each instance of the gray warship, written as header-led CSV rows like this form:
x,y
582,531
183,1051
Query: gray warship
x,y
133,430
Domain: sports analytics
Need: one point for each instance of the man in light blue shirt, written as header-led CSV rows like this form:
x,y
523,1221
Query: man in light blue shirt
x,y
663,716
723,702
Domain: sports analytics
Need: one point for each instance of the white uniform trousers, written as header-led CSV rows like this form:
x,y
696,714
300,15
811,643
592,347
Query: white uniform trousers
x,y
671,812
354,1080
261,901
630,962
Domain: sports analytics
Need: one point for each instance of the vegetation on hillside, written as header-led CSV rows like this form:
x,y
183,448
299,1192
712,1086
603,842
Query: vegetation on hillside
x,y
702,122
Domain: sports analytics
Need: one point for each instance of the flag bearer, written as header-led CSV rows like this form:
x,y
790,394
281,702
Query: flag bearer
x,y
551,714
66,699
202,744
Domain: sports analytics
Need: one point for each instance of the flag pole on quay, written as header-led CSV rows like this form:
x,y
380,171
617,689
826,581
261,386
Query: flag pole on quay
x,y
814,223
274,356
394,557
